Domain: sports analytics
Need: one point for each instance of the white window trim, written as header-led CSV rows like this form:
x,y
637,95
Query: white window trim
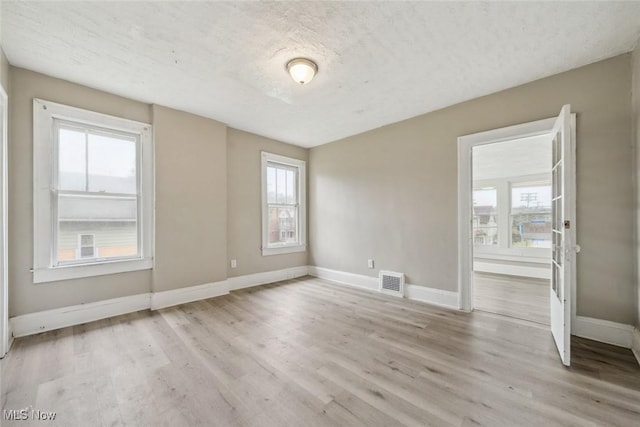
x,y
284,248
44,113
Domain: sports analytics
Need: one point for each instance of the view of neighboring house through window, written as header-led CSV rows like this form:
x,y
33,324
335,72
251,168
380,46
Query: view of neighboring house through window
x,y
525,205
93,193
86,246
283,204
97,194
531,215
485,216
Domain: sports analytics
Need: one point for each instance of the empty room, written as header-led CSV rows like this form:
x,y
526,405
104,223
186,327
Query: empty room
x,y
319,213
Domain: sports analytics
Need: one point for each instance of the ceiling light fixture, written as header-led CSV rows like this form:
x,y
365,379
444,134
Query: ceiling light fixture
x,y
302,70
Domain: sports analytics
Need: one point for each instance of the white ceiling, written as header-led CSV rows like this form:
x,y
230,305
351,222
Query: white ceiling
x,y
511,159
379,62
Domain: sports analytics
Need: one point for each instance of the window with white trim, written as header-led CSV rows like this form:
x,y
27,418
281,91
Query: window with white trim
x,y
512,216
283,204
93,193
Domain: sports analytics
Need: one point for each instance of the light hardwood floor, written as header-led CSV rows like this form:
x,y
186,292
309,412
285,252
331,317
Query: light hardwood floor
x,y
311,353
523,298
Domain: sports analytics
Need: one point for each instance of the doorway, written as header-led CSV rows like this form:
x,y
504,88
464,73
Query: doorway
x,y
560,131
511,214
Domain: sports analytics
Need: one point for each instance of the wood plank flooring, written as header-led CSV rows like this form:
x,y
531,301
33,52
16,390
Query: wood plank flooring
x,y
308,352
519,297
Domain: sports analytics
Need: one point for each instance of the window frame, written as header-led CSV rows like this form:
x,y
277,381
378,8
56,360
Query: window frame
x,y
301,244
46,115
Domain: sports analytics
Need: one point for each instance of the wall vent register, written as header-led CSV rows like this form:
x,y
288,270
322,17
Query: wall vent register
x,y
392,283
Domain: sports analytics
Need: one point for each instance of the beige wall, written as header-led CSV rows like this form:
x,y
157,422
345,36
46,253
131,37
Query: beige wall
x,y
24,296
244,199
191,163
390,194
191,193
636,145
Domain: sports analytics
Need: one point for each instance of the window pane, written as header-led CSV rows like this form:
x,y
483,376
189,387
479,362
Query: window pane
x,y
271,184
72,160
485,216
281,186
531,216
111,221
283,225
112,164
291,188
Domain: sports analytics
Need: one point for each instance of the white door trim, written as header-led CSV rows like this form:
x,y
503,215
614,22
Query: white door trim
x,y
465,187
4,277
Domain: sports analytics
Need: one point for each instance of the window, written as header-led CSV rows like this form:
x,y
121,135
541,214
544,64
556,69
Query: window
x,y
531,215
485,216
283,205
93,195
512,217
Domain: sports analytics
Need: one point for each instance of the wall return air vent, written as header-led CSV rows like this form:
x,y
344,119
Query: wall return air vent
x,y
392,283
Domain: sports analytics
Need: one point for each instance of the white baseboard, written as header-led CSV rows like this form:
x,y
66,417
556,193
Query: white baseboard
x,y
604,331
9,341
179,296
11,337
433,296
349,279
543,272
442,298
635,344
249,280
48,320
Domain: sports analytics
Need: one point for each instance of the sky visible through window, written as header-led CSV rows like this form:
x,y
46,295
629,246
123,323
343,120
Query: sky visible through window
x,y
281,188
485,197
95,162
532,197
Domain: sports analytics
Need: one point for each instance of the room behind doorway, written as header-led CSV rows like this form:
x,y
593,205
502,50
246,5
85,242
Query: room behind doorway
x,y
512,227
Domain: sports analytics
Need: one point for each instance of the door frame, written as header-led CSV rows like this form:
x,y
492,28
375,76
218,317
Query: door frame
x,y
465,195
4,276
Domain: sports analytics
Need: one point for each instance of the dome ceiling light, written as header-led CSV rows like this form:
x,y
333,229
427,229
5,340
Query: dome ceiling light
x,y
302,70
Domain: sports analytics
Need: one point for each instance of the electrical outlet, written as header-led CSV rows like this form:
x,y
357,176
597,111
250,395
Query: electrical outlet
x,y
370,263
234,263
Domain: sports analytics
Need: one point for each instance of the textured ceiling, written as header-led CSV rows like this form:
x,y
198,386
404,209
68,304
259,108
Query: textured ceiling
x,y
510,159
378,62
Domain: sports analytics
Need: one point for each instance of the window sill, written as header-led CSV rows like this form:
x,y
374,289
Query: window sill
x,y
514,258
54,274
278,250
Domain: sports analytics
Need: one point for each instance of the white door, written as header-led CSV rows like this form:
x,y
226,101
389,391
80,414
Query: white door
x,y
563,235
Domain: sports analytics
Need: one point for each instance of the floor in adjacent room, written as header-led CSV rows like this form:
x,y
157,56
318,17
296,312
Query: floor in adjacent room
x,y
310,352
520,297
